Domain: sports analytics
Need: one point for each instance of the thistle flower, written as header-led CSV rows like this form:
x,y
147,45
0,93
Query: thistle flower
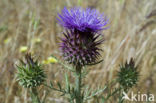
x,y
128,75
29,73
89,20
80,43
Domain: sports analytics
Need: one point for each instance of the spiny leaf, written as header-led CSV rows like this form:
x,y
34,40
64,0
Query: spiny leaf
x,y
67,83
51,84
59,85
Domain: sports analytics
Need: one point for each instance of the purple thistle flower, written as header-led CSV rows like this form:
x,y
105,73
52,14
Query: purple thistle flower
x,y
80,49
89,20
80,43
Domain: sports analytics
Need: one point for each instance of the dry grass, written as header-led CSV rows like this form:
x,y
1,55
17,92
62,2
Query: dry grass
x,y
132,33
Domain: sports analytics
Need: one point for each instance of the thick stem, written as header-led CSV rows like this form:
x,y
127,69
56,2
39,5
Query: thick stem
x,y
34,95
78,85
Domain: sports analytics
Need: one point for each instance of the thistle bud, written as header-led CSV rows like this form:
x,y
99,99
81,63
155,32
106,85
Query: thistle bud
x,y
29,72
128,75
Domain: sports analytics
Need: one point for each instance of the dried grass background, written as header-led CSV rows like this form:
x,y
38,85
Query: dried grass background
x,y
132,33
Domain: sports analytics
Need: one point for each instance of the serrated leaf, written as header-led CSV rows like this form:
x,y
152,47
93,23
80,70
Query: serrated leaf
x,y
59,85
67,83
103,99
62,94
51,84
63,64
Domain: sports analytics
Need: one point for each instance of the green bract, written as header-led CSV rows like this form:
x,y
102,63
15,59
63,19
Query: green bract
x,y
128,75
29,73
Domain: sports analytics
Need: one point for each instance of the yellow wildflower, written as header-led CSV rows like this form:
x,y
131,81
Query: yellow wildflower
x,y
7,40
52,60
37,40
23,49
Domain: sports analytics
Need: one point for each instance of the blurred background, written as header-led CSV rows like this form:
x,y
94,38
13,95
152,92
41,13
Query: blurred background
x,y
31,26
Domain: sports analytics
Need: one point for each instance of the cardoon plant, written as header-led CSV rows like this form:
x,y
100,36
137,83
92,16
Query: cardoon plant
x,y
79,46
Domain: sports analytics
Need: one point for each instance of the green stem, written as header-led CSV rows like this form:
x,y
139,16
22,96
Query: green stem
x,y
78,85
121,95
34,95
62,91
112,94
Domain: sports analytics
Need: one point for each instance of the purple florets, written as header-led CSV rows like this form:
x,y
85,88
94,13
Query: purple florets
x,y
82,20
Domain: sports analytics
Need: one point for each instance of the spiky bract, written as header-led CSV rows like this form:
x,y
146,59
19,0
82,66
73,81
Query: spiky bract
x,y
128,75
29,73
79,48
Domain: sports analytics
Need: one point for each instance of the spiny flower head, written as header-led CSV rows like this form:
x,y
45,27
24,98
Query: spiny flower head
x,y
29,73
80,48
84,20
128,75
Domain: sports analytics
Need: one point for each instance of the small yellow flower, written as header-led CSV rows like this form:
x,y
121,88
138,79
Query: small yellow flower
x,y
52,60
23,49
37,40
7,40
45,62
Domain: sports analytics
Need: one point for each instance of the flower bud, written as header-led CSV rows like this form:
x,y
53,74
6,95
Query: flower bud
x,y
30,73
128,75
